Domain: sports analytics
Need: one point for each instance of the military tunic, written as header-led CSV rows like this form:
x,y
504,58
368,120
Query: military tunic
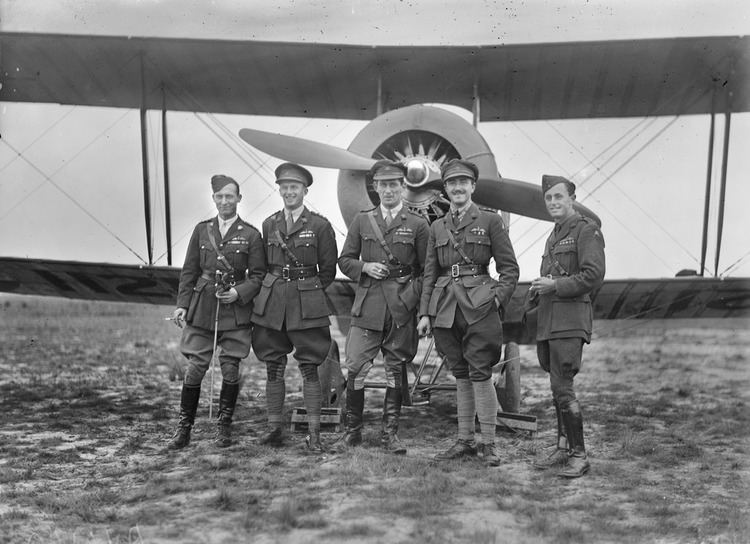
x,y
284,308
243,248
574,257
384,311
464,309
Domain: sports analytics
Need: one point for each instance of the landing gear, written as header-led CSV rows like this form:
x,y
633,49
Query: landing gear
x,y
508,380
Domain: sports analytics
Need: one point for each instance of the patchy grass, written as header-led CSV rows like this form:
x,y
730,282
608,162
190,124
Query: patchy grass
x,y
89,394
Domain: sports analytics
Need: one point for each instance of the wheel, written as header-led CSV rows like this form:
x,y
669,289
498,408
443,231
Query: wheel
x,y
508,385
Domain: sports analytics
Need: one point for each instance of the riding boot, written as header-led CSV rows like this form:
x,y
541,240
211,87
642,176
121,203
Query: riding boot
x,y
391,413
188,406
578,463
354,417
227,402
560,456
313,441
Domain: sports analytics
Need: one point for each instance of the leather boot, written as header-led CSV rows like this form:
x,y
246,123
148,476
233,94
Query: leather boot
x,y
227,402
313,442
272,436
560,456
462,448
391,413
578,463
353,418
188,406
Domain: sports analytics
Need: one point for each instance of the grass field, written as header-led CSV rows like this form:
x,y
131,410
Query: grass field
x,y
89,395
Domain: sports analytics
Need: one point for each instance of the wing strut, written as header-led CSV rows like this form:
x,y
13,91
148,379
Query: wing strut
x,y
475,106
144,161
165,160
707,200
723,189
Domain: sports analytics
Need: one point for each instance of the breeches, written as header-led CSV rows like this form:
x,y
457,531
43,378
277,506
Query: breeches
x,y
471,350
398,344
197,346
310,345
561,357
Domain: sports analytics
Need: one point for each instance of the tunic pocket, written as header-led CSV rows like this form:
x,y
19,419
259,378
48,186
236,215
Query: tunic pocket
x,y
261,300
195,298
312,299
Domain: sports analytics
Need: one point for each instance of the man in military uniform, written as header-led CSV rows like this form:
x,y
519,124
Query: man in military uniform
x,y
461,304
572,268
224,266
291,311
384,253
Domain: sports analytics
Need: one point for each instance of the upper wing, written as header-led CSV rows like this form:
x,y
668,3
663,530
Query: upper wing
x,y
515,82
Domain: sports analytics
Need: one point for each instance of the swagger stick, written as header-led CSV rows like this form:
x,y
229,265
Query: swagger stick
x,y
217,281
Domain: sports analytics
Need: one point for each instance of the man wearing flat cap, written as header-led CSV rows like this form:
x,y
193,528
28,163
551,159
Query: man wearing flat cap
x,y
291,311
572,268
223,269
384,253
461,304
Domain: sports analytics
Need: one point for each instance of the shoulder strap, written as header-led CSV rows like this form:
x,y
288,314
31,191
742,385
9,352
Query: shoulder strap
x,y
554,260
379,235
219,255
285,247
458,246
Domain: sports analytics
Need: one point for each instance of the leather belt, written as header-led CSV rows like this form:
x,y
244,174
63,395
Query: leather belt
x,y
458,270
293,273
399,271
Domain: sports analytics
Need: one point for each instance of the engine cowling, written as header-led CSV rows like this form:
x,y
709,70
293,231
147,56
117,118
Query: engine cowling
x,y
427,134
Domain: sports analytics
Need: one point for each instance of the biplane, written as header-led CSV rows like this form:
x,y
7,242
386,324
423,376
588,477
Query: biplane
x,y
391,87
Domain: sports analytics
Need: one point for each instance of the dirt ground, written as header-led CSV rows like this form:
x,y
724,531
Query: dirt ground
x,y
89,395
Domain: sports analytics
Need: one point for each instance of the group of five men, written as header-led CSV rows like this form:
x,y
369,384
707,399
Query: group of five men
x,y
239,288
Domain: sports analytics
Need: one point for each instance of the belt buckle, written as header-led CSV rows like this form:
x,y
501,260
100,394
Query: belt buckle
x,y
285,273
455,271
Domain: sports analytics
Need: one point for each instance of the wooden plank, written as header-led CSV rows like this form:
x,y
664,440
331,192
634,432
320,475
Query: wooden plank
x,y
330,420
514,421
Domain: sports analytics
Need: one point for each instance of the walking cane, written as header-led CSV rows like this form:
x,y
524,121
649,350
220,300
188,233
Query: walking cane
x,y
217,281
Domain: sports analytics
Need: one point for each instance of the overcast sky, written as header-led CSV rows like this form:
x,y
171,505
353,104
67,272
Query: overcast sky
x,y
82,198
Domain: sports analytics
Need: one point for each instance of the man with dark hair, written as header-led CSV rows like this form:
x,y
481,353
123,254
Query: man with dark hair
x,y
223,268
291,311
461,304
572,268
384,253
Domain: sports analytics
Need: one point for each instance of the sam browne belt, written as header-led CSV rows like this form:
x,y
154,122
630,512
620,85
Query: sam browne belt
x,y
458,270
399,271
292,273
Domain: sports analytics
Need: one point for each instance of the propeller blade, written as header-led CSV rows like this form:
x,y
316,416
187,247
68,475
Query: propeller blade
x,y
519,197
305,152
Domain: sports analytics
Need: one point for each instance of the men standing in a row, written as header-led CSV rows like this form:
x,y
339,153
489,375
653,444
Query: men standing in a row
x,y
572,268
461,304
223,269
291,311
384,253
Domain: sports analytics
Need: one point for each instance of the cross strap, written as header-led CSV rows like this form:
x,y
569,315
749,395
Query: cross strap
x,y
219,255
457,246
379,235
560,269
285,247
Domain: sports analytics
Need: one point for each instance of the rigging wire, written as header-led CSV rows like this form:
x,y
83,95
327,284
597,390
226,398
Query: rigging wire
x,y
74,201
234,139
41,135
734,265
633,201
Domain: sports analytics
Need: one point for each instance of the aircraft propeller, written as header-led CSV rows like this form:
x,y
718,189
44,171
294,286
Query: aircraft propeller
x,y
307,152
422,138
